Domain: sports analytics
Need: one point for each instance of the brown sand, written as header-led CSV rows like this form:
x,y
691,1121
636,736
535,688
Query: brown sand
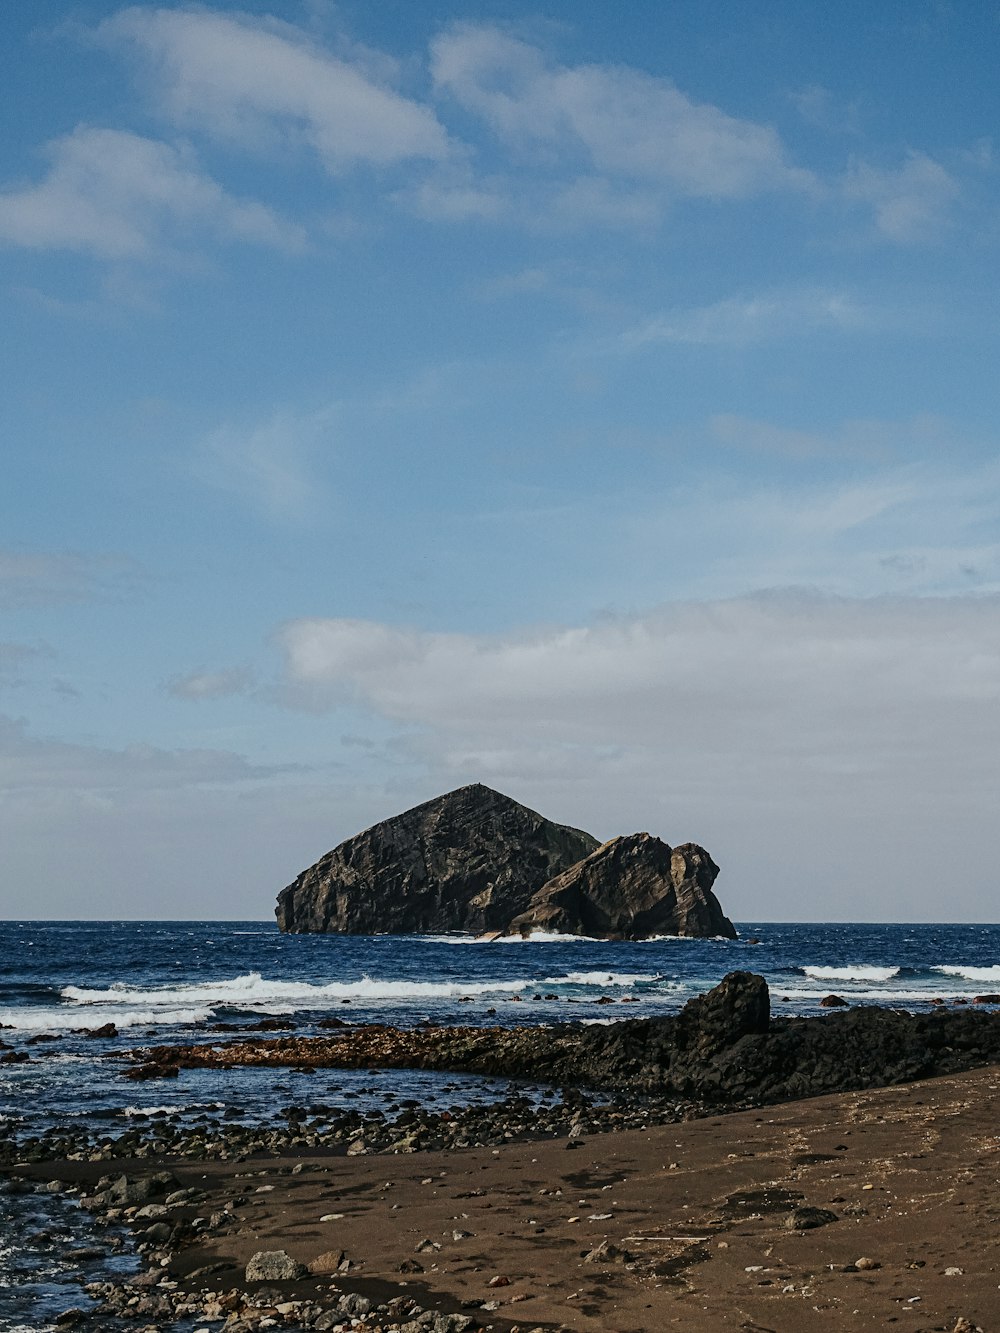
x,y
922,1162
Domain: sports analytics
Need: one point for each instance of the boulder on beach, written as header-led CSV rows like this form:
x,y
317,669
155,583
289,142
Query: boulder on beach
x,y
467,861
631,888
273,1266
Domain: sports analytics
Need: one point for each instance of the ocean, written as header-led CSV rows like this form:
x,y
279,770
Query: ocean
x,y
168,981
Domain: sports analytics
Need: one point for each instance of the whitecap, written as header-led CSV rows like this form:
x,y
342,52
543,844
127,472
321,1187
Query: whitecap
x,y
254,992
624,979
970,973
855,973
69,1017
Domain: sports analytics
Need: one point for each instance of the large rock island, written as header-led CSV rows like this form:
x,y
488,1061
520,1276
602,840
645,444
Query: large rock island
x,y
475,860
469,860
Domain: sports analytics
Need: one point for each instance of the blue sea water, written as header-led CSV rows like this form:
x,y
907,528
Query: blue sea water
x,y
168,981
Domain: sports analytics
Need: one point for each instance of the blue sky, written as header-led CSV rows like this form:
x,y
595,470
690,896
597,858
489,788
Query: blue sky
x,y
596,403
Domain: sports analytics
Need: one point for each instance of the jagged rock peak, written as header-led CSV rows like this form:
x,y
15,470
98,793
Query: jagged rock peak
x,y
468,860
630,888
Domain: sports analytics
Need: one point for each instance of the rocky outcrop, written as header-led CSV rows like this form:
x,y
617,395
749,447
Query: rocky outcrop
x,y
722,1049
470,861
630,888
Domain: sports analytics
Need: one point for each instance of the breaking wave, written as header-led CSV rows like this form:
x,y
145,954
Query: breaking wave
x,y
67,1018
129,1006
970,973
859,973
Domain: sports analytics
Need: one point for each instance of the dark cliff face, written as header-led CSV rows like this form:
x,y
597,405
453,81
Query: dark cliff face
x,y
469,860
631,888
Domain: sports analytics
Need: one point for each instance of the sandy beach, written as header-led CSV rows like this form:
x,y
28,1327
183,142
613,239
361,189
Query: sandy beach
x,y
699,1221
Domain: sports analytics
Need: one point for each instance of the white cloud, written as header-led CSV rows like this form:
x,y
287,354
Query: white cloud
x,y
599,683
44,578
119,196
619,122
803,739
263,83
911,203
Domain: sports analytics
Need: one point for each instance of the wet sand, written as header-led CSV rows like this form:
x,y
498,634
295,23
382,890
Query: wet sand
x,y
700,1209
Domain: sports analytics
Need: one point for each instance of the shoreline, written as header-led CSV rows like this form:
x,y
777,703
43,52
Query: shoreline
x,y
690,1225
677,1170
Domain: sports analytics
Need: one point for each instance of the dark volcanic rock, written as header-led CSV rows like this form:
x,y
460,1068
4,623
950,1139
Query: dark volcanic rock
x,y
722,1049
631,888
469,860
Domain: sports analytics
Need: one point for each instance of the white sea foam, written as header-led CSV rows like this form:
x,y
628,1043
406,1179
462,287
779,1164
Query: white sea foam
x,y
868,995
603,979
255,992
51,1019
547,937
535,937
971,973
859,973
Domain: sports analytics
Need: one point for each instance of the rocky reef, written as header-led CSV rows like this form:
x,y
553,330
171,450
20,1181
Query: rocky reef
x,y
723,1049
475,860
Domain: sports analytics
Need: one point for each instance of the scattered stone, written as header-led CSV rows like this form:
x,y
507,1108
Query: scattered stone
x,y
607,1253
833,1002
273,1266
807,1218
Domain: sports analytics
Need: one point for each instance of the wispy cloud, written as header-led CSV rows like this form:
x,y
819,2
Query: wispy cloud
x,y
119,196
264,84
199,685
819,107
756,318
15,658
871,440
911,203
721,535
29,763
45,578
272,464
617,123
